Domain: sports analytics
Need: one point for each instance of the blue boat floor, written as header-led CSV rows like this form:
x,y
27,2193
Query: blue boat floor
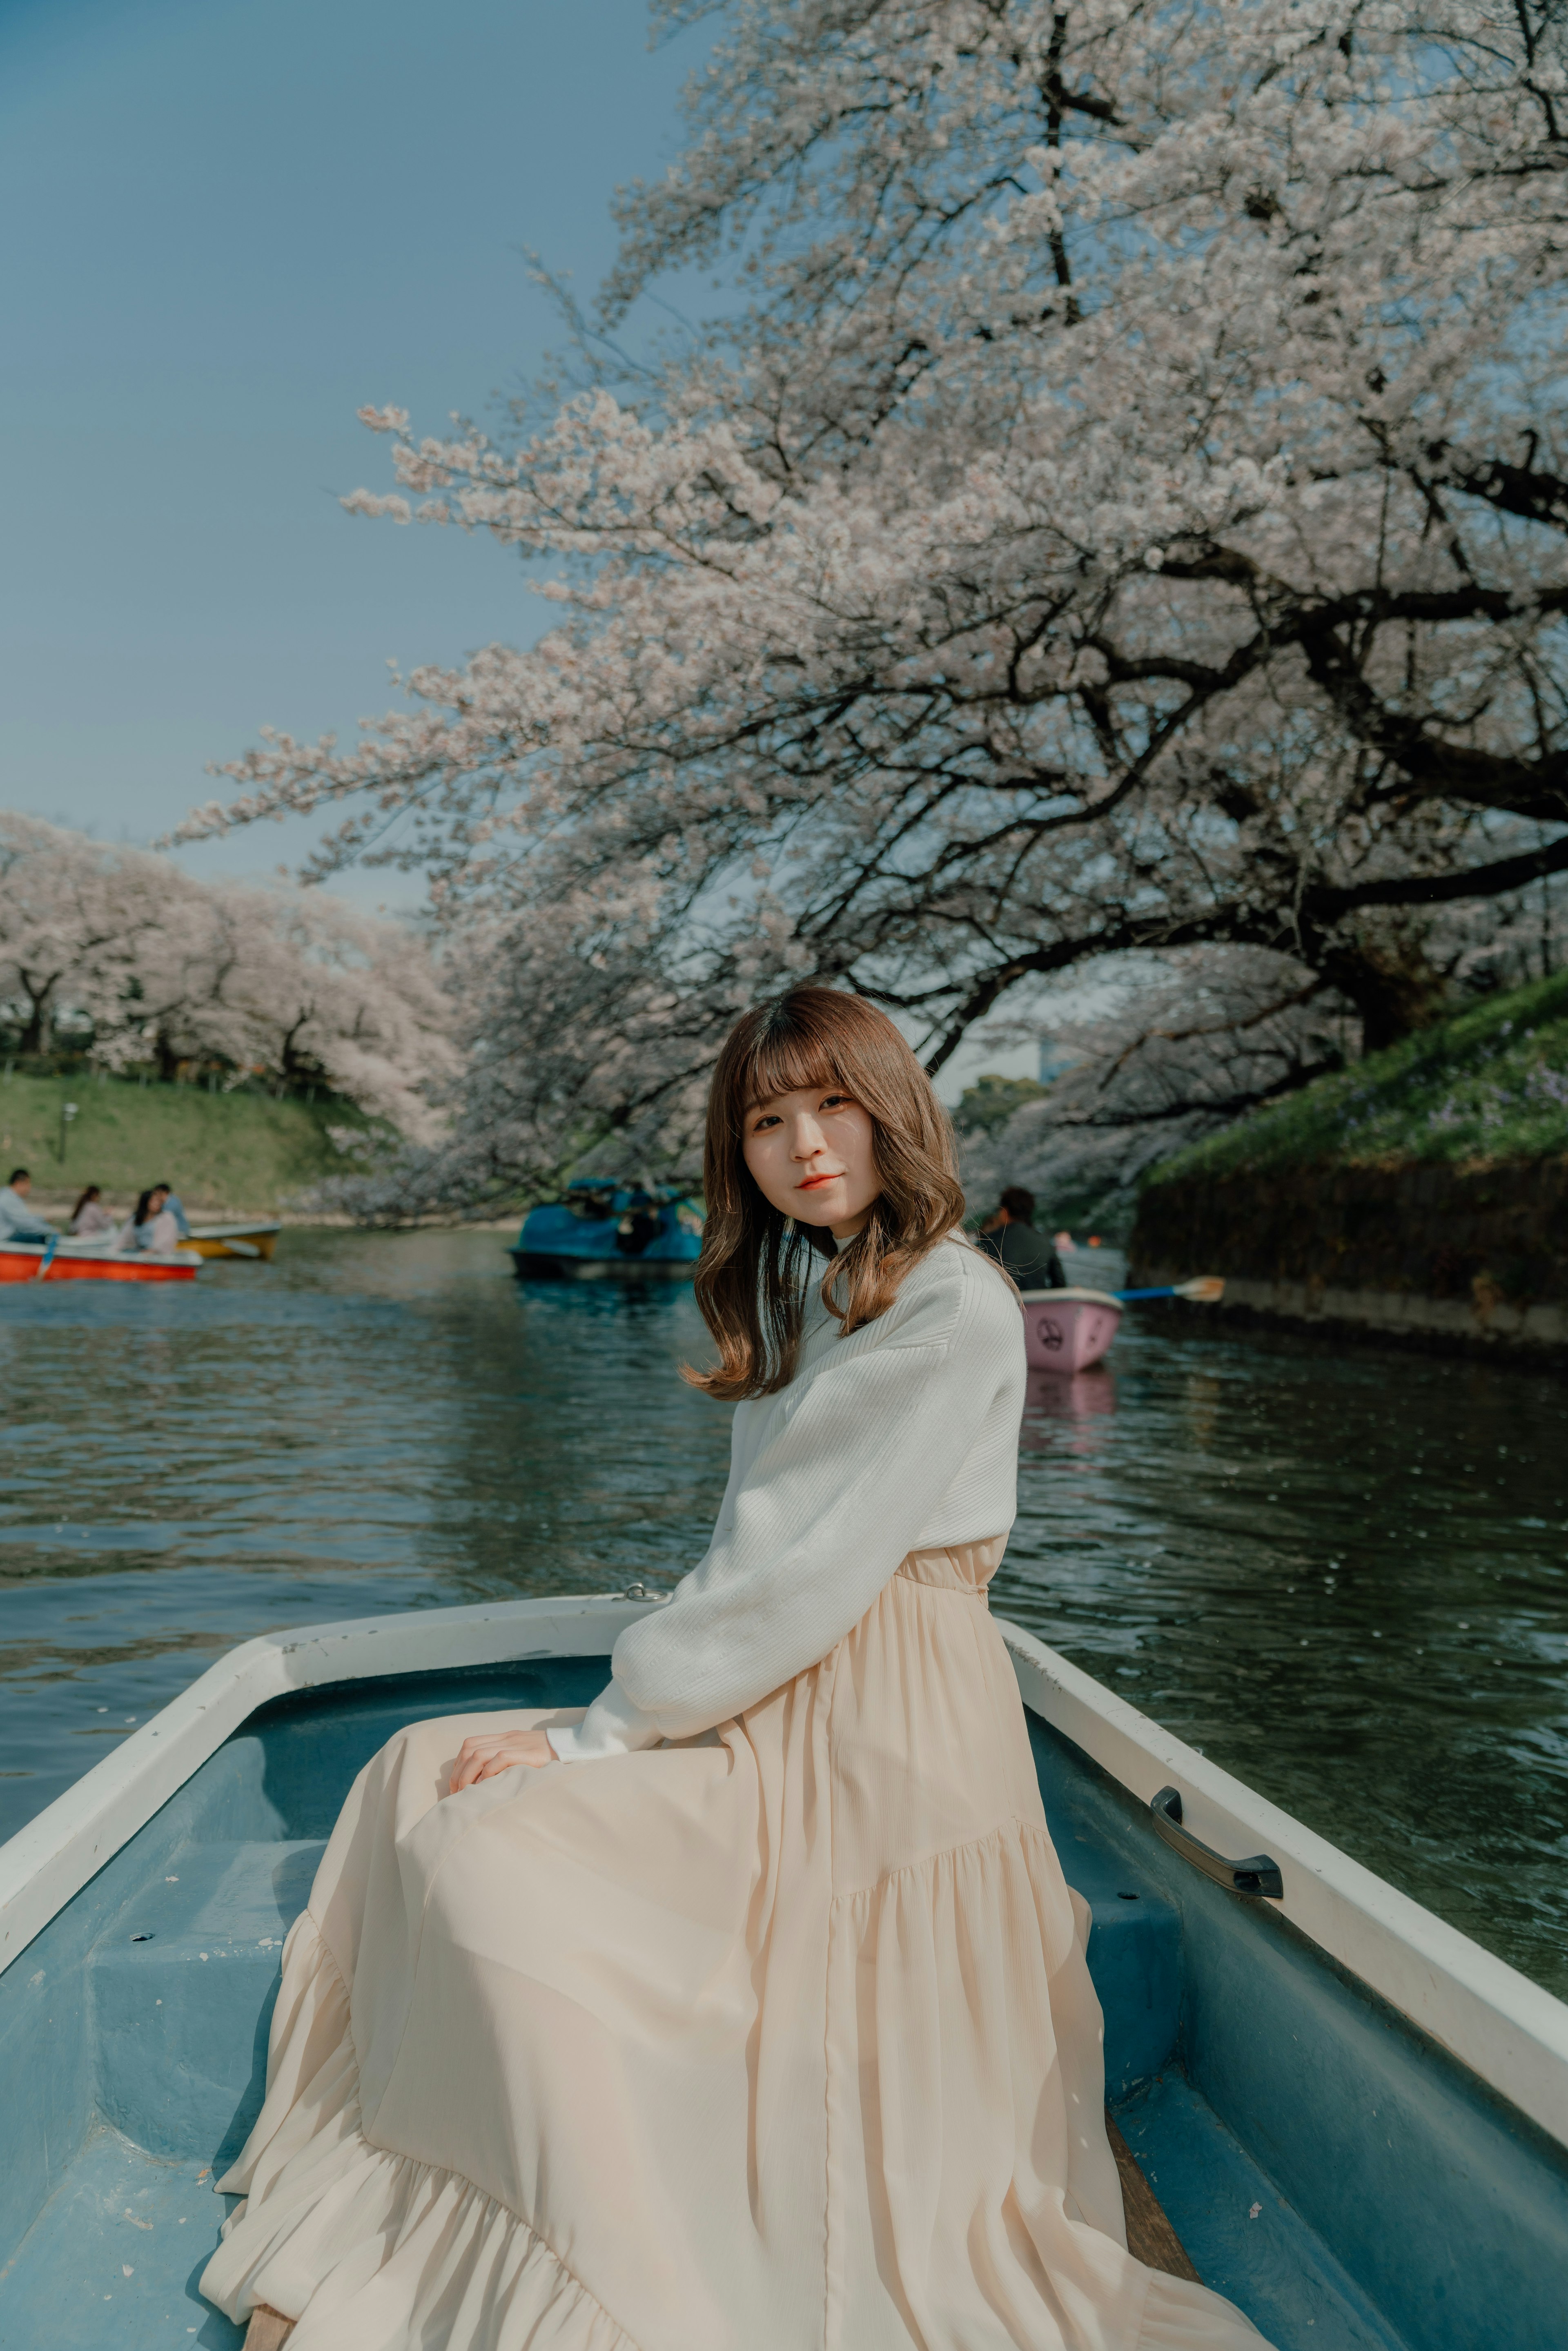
x,y
1241,2235
111,2261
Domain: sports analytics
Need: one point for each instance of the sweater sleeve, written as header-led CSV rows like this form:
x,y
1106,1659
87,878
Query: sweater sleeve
x,y
833,1499
613,1726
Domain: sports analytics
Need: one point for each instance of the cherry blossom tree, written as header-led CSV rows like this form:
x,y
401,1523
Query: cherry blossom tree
x,y
158,968
67,929
1129,517
1163,1052
1167,1049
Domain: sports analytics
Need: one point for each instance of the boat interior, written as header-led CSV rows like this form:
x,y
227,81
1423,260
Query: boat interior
x,y
1312,2154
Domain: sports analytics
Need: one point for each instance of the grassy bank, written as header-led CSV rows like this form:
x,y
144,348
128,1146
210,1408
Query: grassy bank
x,y
239,1151
1490,1085
1428,1183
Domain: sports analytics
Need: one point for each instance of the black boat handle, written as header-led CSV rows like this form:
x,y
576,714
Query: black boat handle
x,y
1257,1875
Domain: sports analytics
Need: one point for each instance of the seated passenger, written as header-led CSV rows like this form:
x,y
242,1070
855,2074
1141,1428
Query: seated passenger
x,y
176,1209
19,1222
1010,1237
90,1220
151,1227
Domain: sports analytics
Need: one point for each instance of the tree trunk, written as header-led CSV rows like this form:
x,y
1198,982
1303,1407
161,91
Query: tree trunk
x,y
37,1025
1392,986
34,1036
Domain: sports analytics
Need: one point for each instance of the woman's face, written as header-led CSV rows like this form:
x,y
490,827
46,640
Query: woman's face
x,y
809,1153
155,1200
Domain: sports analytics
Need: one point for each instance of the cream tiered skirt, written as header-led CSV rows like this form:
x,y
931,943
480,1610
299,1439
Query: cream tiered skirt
x,y
780,2039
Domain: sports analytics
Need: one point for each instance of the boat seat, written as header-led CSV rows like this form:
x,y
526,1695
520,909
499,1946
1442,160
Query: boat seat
x,y
171,2074
1135,1957
1135,1961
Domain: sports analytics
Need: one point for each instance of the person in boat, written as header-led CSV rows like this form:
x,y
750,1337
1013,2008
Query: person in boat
x,y
150,1225
747,2009
90,1220
176,1208
18,1220
1010,1237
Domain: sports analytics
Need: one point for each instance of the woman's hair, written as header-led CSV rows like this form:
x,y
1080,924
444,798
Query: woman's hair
x,y
143,1201
91,1194
755,1265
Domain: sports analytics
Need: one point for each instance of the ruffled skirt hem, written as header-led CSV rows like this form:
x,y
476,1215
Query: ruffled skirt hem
x,y
365,2247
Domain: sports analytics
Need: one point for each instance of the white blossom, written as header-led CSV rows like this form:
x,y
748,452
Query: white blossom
x,y
1128,517
274,982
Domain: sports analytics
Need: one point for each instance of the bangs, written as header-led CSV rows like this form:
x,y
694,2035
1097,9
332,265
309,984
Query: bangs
x,y
782,1059
756,1272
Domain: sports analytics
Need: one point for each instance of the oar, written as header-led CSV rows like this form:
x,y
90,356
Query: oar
x,y
1207,1289
241,1248
49,1248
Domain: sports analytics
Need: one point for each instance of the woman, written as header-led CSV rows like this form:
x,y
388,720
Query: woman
x,y
150,1225
89,1218
746,2011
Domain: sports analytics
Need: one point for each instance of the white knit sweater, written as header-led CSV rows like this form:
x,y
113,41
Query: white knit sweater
x,y
901,1437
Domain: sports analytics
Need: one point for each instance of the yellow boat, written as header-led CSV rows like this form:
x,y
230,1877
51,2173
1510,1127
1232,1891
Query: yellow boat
x,y
253,1239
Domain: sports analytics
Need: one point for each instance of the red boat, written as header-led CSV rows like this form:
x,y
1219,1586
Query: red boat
x,y
68,1260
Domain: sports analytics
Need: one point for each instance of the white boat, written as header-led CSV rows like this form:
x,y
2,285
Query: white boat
x,y
1337,2109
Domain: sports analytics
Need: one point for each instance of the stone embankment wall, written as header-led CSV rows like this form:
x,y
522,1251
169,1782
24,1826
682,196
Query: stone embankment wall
x,y
1471,1258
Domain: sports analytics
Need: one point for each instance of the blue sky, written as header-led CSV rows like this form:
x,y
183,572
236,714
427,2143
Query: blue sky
x,y
228,224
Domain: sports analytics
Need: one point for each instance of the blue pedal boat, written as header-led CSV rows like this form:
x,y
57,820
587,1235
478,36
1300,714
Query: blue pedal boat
x,y
608,1230
1354,2119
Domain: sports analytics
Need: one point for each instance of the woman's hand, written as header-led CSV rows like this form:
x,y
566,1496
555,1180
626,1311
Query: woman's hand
x,y
498,1751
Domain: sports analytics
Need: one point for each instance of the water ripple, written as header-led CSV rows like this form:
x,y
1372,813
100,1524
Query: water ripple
x,y
1342,1573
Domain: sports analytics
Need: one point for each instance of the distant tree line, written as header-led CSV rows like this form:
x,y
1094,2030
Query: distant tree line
x,y
117,957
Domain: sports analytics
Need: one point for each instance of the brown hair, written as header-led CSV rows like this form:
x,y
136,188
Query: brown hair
x,y
752,1275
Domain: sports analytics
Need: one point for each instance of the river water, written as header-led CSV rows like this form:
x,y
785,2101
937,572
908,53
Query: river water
x,y
1343,1575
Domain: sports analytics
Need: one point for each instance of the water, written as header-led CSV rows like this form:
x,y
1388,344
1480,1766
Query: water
x,y
1343,1576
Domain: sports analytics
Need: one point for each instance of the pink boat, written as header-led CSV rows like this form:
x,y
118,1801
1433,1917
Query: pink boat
x,y
1065,1330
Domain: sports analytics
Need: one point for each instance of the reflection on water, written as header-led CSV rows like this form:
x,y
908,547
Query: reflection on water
x,y
1063,1395
1340,1575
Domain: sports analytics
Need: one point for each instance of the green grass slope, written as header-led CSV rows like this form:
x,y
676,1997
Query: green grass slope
x,y
1489,1085
239,1151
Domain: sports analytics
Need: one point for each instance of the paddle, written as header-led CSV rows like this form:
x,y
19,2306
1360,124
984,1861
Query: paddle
x,y
241,1248
50,1246
1207,1289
